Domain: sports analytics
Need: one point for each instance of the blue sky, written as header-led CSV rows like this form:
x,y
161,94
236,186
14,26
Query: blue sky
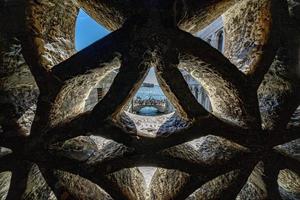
x,y
88,31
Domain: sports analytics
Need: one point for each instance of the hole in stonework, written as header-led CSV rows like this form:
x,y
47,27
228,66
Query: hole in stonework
x,y
149,112
87,31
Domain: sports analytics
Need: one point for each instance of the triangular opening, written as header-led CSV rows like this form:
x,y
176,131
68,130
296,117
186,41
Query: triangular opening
x,y
87,31
149,112
150,99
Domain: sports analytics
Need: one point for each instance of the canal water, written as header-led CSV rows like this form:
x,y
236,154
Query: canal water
x,y
147,92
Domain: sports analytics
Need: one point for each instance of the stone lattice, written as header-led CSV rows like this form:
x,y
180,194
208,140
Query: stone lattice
x,y
242,150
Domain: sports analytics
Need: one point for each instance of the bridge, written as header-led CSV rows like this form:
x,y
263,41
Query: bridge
x,y
161,105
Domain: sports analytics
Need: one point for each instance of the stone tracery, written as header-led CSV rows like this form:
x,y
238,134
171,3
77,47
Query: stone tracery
x,y
148,35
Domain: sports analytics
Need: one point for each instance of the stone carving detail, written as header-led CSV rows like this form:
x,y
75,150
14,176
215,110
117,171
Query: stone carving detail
x,y
232,152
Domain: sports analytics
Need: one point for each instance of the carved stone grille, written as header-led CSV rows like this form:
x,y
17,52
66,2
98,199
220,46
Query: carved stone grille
x,y
241,150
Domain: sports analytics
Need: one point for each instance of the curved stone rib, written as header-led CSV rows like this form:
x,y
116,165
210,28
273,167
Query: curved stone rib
x,y
18,181
231,96
195,15
136,159
278,93
176,88
76,76
132,72
202,127
78,169
103,53
279,27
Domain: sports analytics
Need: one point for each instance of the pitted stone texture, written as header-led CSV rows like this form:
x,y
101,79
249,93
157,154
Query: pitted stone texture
x,y
51,28
209,150
255,188
108,150
291,149
80,188
130,181
213,189
80,148
71,99
247,30
277,93
225,96
289,183
4,184
165,183
18,91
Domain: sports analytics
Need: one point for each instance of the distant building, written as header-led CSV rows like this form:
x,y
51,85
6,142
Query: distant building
x,y
214,34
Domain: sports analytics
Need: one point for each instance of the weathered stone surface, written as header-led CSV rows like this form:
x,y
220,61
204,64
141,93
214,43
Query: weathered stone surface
x,y
165,184
247,28
51,31
4,184
255,187
18,91
209,150
36,187
291,149
39,35
77,187
214,188
289,183
277,93
130,181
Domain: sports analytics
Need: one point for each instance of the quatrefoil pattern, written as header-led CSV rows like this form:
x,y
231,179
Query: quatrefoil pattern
x,y
243,149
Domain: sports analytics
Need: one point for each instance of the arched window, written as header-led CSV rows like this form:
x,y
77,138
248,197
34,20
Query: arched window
x,y
220,40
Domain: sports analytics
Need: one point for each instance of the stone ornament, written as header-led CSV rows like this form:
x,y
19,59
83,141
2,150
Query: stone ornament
x,y
241,150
